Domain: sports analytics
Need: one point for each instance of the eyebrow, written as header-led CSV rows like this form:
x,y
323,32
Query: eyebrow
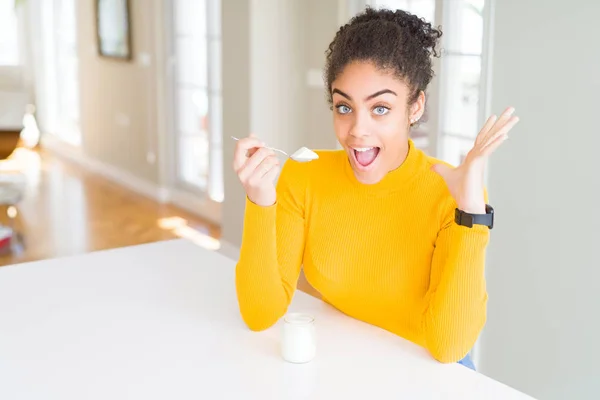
x,y
379,93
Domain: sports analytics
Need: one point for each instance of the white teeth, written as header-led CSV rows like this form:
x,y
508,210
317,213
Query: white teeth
x,y
361,149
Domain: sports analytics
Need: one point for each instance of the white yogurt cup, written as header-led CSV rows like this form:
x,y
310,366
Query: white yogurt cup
x,y
298,338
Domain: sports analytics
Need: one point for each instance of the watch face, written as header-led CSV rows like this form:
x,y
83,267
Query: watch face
x,y
463,219
467,220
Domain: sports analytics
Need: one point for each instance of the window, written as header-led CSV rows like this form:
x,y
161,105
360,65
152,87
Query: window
x,y
462,65
198,95
67,62
453,110
58,85
9,40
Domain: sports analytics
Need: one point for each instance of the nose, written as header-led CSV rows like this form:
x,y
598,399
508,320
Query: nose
x,y
360,126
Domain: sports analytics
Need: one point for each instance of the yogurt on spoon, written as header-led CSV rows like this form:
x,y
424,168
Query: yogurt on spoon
x,y
303,155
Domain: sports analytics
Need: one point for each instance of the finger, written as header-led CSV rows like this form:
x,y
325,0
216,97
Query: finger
x,y
243,150
269,169
272,173
500,137
253,136
486,127
257,178
500,122
253,150
249,142
502,131
245,144
251,163
506,115
493,145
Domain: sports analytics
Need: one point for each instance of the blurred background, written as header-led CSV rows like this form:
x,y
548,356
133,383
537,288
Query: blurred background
x,y
115,118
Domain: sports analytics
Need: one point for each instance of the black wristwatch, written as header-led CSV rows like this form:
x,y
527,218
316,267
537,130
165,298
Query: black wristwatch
x,y
466,219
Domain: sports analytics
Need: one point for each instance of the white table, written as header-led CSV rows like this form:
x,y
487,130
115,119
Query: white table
x,y
160,321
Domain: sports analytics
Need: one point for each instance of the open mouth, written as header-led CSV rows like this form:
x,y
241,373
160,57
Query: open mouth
x,y
365,156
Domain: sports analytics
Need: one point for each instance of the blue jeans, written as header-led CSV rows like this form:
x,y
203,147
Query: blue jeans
x,y
468,362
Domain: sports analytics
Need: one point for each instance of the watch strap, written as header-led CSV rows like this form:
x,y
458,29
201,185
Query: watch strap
x,y
466,219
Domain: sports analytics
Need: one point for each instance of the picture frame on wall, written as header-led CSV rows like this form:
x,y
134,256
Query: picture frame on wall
x,y
113,29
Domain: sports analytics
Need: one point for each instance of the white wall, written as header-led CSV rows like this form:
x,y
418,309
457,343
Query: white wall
x,y
543,265
267,52
324,18
276,68
119,99
236,108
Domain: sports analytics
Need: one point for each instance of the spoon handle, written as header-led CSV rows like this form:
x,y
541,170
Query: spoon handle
x,y
267,147
281,151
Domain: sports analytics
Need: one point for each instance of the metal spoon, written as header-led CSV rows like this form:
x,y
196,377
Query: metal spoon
x,y
301,155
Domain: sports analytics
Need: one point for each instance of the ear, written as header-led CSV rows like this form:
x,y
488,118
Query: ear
x,y
417,109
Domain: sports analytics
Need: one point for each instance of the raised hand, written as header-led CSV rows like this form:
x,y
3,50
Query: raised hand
x,y
466,182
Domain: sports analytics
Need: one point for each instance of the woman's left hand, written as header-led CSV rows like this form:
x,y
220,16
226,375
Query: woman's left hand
x,y
466,182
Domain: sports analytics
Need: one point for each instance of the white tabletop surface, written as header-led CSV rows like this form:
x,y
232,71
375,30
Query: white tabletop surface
x,y
160,321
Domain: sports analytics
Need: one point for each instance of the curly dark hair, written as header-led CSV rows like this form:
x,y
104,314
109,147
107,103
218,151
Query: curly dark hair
x,y
393,40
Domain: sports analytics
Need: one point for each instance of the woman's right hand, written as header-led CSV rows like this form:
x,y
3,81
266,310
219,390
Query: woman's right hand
x,y
257,168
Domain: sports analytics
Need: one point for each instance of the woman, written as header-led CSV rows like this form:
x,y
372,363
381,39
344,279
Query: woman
x,y
385,233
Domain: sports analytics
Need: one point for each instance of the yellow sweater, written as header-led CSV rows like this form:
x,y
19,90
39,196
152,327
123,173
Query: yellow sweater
x,y
389,254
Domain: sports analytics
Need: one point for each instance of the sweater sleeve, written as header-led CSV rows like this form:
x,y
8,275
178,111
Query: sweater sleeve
x,y
272,250
457,296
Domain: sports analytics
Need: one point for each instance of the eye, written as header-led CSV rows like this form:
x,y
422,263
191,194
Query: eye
x,y
343,109
381,110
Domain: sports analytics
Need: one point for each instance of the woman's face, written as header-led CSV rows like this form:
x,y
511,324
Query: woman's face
x,y
371,119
